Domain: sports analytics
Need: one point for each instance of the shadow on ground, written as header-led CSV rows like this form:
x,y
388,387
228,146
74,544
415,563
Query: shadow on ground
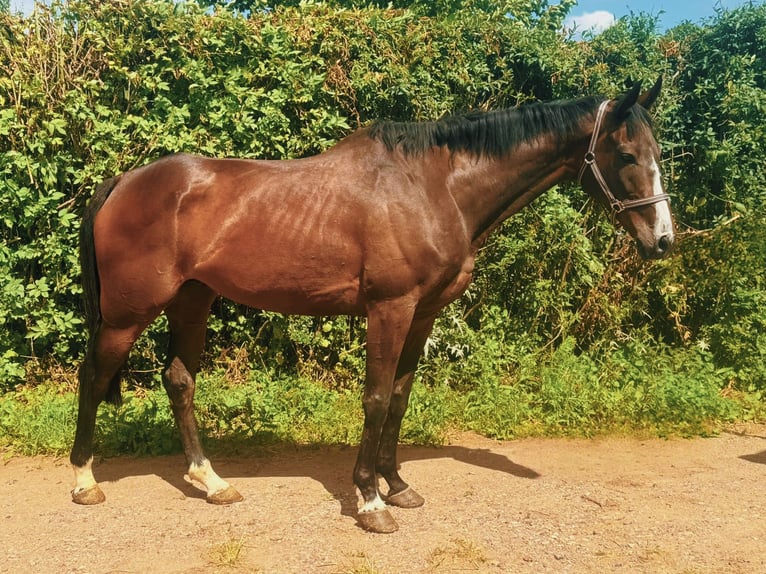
x,y
331,466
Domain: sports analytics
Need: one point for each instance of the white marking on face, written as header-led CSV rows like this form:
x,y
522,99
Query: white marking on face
x,y
663,225
374,505
83,477
204,474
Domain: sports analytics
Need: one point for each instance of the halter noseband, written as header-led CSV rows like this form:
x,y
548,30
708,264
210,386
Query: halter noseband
x,y
617,205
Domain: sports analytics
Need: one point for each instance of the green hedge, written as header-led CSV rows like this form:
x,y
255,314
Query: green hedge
x,y
89,89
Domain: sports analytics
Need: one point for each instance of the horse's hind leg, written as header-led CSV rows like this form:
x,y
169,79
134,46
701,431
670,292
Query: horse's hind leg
x,y
187,315
107,352
399,493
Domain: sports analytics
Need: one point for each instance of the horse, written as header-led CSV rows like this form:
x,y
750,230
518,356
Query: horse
x,y
385,225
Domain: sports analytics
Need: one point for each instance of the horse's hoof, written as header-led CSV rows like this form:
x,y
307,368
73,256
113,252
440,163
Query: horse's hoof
x,y
89,496
379,521
228,495
407,498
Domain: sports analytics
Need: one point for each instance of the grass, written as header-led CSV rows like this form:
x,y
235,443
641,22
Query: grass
x,y
559,394
459,555
227,554
362,564
261,411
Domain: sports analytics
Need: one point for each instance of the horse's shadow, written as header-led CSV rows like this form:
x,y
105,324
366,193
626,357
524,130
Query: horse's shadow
x,y
757,457
289,462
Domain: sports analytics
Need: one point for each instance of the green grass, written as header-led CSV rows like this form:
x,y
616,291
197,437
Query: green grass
x,y
634,390
261,411
562,393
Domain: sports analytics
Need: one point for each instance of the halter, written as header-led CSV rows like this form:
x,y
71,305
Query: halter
x,y
617,205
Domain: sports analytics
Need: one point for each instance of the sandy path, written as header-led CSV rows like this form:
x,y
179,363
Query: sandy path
x,y
604,505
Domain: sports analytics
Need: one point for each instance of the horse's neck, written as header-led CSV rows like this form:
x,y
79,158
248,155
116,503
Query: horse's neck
x,y
489,190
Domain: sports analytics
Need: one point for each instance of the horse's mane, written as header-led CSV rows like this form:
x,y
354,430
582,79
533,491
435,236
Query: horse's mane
x,y
491,133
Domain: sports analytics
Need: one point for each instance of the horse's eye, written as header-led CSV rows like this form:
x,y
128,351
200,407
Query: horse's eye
x,y
628,158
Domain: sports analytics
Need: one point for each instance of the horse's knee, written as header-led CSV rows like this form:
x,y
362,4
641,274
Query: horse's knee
x,y
376,407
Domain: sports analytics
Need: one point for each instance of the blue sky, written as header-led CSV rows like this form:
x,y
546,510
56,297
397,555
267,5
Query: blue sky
x,y
600,13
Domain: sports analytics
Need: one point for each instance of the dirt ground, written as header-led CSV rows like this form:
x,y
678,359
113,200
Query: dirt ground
x,y
603,505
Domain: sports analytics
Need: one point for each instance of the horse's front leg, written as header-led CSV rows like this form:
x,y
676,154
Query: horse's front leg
x,y
399,492
387,327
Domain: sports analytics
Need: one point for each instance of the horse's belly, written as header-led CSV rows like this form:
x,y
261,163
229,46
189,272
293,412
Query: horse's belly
x,y
290,288
328,301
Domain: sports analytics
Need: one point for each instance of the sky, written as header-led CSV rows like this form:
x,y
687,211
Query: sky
x,y
599,13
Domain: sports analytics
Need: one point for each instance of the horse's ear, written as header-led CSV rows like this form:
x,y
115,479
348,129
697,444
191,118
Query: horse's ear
x,y
627,101
648,98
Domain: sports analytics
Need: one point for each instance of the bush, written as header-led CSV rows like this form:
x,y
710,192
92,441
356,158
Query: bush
x,y
90,89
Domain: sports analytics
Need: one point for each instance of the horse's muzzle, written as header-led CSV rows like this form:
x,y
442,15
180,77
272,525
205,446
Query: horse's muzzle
x,y
661,247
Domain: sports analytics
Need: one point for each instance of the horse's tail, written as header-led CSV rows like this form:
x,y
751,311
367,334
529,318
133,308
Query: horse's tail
x,y
90,282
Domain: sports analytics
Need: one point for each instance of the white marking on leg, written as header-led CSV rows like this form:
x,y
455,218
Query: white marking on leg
x,y
663,225
373,505
83,477
204,474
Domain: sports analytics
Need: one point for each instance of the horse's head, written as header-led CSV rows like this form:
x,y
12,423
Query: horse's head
x,y
621,169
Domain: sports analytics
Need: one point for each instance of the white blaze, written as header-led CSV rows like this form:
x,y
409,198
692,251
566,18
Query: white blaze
x,y
663,225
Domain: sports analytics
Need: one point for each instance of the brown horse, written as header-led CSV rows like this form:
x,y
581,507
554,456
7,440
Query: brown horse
x,y
386,225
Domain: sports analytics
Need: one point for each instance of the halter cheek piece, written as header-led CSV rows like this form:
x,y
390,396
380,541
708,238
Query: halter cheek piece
x,y
617,205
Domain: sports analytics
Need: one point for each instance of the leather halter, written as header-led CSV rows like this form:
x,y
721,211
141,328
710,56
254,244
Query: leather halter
x,y
617,205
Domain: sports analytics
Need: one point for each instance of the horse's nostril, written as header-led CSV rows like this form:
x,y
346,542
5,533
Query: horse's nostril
x,y
664,243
